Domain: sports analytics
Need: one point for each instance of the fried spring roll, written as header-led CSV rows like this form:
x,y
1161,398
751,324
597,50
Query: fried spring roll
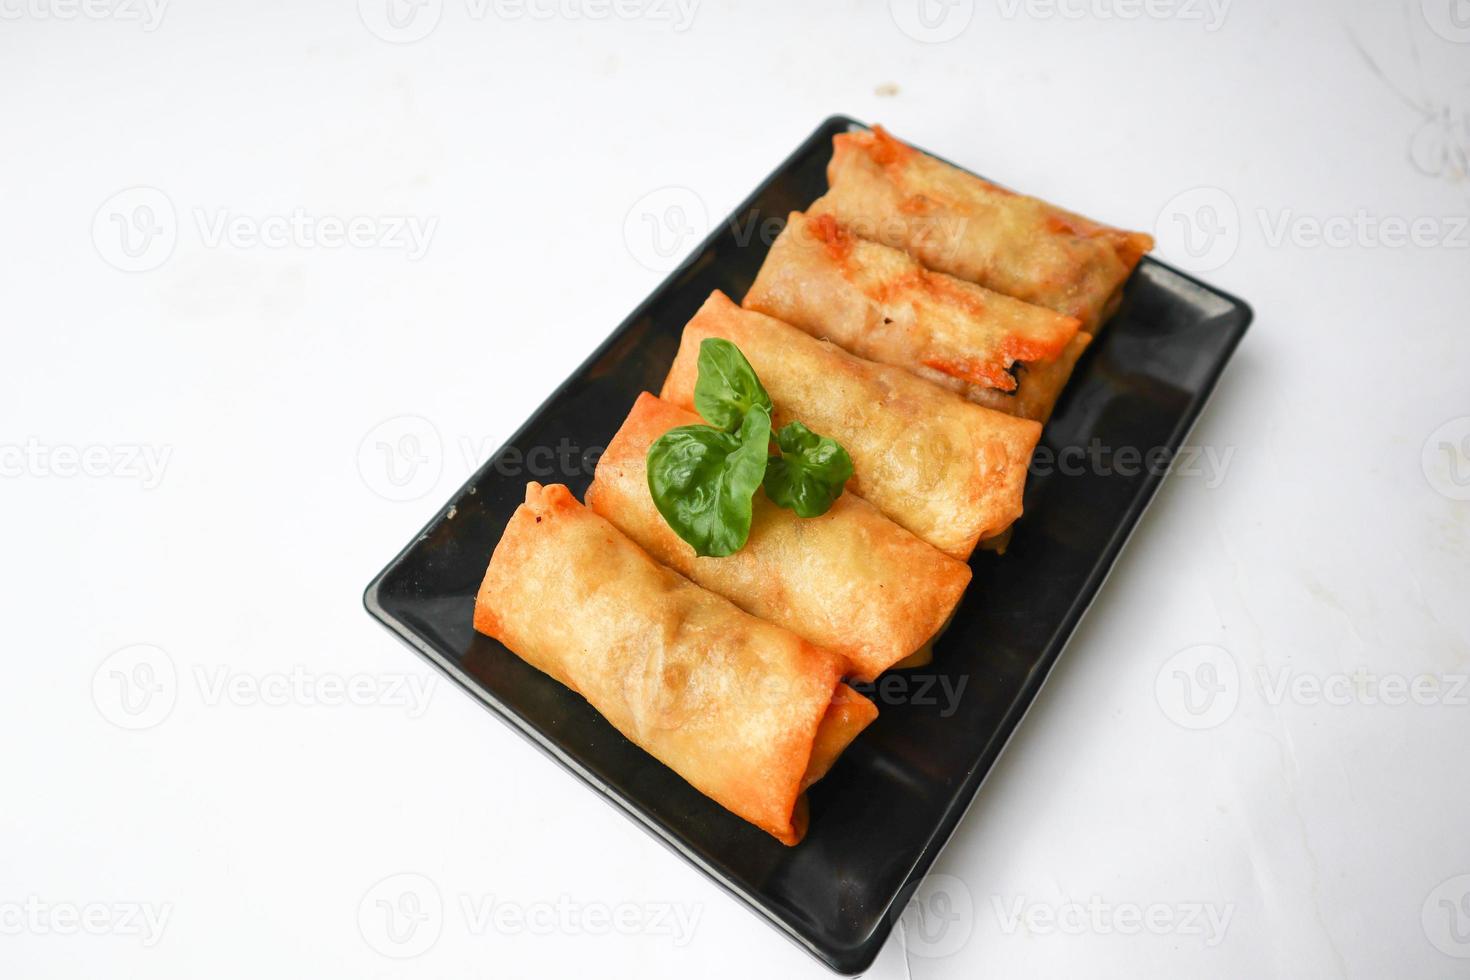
x,y
879,303
955,222
949,471
851,581
745,711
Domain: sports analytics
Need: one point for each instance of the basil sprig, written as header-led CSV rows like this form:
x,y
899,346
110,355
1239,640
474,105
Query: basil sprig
x,y
703,478
703,481
809,474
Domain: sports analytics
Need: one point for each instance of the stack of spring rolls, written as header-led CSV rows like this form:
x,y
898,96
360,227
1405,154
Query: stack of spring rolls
x,y
925,319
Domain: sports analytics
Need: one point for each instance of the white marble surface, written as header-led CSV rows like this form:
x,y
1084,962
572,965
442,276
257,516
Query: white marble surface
x,y
181,463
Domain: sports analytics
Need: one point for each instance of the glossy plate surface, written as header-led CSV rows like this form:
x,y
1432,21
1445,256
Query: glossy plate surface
x,y
880,818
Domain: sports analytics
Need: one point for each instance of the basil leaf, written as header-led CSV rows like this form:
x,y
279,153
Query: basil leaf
x,y
809,474
702,481
727,387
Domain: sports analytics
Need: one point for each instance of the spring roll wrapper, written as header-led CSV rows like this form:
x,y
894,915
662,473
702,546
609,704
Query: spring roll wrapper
x,y
847,715
879,303
736,706
1039,384
955,222
851,580
949,471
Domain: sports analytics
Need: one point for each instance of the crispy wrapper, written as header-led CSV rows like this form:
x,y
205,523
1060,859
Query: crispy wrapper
x,y
745,711
947,470
955,222
851,581
880,303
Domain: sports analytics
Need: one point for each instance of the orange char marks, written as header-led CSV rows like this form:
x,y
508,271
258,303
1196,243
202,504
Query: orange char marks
x,y
892,156
989,374
838,242
893,288
895,157
995,372
916,204
884,149
1026,349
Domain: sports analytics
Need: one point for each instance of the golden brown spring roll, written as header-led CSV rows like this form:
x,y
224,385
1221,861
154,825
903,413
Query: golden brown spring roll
x,y
955,222
851,581
879,303
743,710
949,471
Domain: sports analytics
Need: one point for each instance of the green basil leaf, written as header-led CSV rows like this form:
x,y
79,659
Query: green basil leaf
x,y
702,481
727,387
809,474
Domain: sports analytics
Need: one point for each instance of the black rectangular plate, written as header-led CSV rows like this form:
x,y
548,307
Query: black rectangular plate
x,y
883,814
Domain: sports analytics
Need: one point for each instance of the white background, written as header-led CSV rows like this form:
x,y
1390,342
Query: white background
x,y
256,817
